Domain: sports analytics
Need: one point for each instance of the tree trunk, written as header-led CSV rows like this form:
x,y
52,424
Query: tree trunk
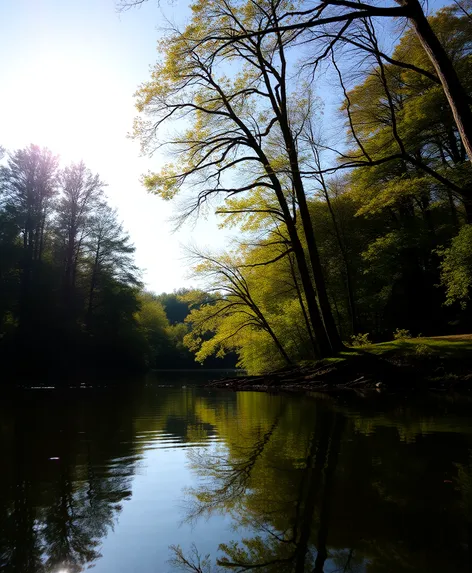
x,y
41,237
327,498
321,335
323,346
69,277
455,92
93,282
320,284
268,329
25,280
302,304
326,335
347,267
334,339
452,206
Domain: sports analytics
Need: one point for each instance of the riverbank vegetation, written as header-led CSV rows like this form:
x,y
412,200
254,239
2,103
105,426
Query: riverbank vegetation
x,y
443,363
351,228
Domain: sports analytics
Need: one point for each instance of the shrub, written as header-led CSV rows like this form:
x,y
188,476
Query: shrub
x,y
456,267
423,350
401,334
360,339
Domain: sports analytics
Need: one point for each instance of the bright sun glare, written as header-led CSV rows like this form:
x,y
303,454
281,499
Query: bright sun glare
x,y
69,106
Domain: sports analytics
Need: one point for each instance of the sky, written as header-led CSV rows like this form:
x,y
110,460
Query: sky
x,y
69,69
68,72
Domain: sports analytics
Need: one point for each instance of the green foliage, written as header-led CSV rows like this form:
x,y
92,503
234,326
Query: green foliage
x,y
255,310
360,339
153,326
175,305
246,134
456,267
69,287
423,350
401,334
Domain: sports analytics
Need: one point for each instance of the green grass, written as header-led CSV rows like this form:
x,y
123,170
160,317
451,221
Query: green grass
x,y
443,347
409,349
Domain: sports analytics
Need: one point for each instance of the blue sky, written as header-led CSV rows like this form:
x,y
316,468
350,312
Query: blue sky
x,y
69,69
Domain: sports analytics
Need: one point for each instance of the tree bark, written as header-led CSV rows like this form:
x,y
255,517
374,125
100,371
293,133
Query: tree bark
x,y
325,307
334,340
269,330
455,93
322,340
347,267
302,304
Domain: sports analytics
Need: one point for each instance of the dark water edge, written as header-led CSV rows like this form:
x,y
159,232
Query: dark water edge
x,y
112,476
65,378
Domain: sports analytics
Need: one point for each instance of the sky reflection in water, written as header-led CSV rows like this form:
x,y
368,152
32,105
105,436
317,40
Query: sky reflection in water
x,y
113,478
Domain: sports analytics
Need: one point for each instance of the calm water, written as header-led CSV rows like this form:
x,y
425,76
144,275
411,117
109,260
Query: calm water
x,y
111,479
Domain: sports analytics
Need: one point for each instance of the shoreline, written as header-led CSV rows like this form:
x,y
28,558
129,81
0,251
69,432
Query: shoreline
x,y
437,364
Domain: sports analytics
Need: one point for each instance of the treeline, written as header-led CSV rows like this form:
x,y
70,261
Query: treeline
x,y
170,349
344,235
71,295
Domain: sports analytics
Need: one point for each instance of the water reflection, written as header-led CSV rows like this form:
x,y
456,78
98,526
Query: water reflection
x,y
70,463
288,484
323,487
59,495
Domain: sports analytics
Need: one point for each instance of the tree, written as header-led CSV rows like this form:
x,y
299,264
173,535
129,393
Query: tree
x,y
109,256
28,186
309,17
238,125
154,327
81,194
10,257
456,267
69,288
235,310
175,305
399,123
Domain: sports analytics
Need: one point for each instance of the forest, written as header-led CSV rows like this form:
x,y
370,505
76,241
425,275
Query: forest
x,y
353,224
353,219
71,296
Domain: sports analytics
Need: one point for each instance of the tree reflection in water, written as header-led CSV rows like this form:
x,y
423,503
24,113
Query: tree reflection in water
x,y
318,495
55,510
309,485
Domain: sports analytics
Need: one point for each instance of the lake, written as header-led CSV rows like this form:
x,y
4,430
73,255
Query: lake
x,y
118,478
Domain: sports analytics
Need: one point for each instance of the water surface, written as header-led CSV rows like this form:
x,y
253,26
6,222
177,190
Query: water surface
x,y
113,478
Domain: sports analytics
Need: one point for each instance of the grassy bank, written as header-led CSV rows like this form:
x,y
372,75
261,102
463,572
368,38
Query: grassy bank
x,y
440,363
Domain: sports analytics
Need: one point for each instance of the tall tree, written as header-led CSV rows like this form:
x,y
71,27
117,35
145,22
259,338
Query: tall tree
x,y
28,185
110,257
398,118
313,18
243,133
81,193
68,281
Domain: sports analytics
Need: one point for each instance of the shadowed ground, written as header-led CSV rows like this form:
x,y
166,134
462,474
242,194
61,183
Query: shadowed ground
x,y
440,363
